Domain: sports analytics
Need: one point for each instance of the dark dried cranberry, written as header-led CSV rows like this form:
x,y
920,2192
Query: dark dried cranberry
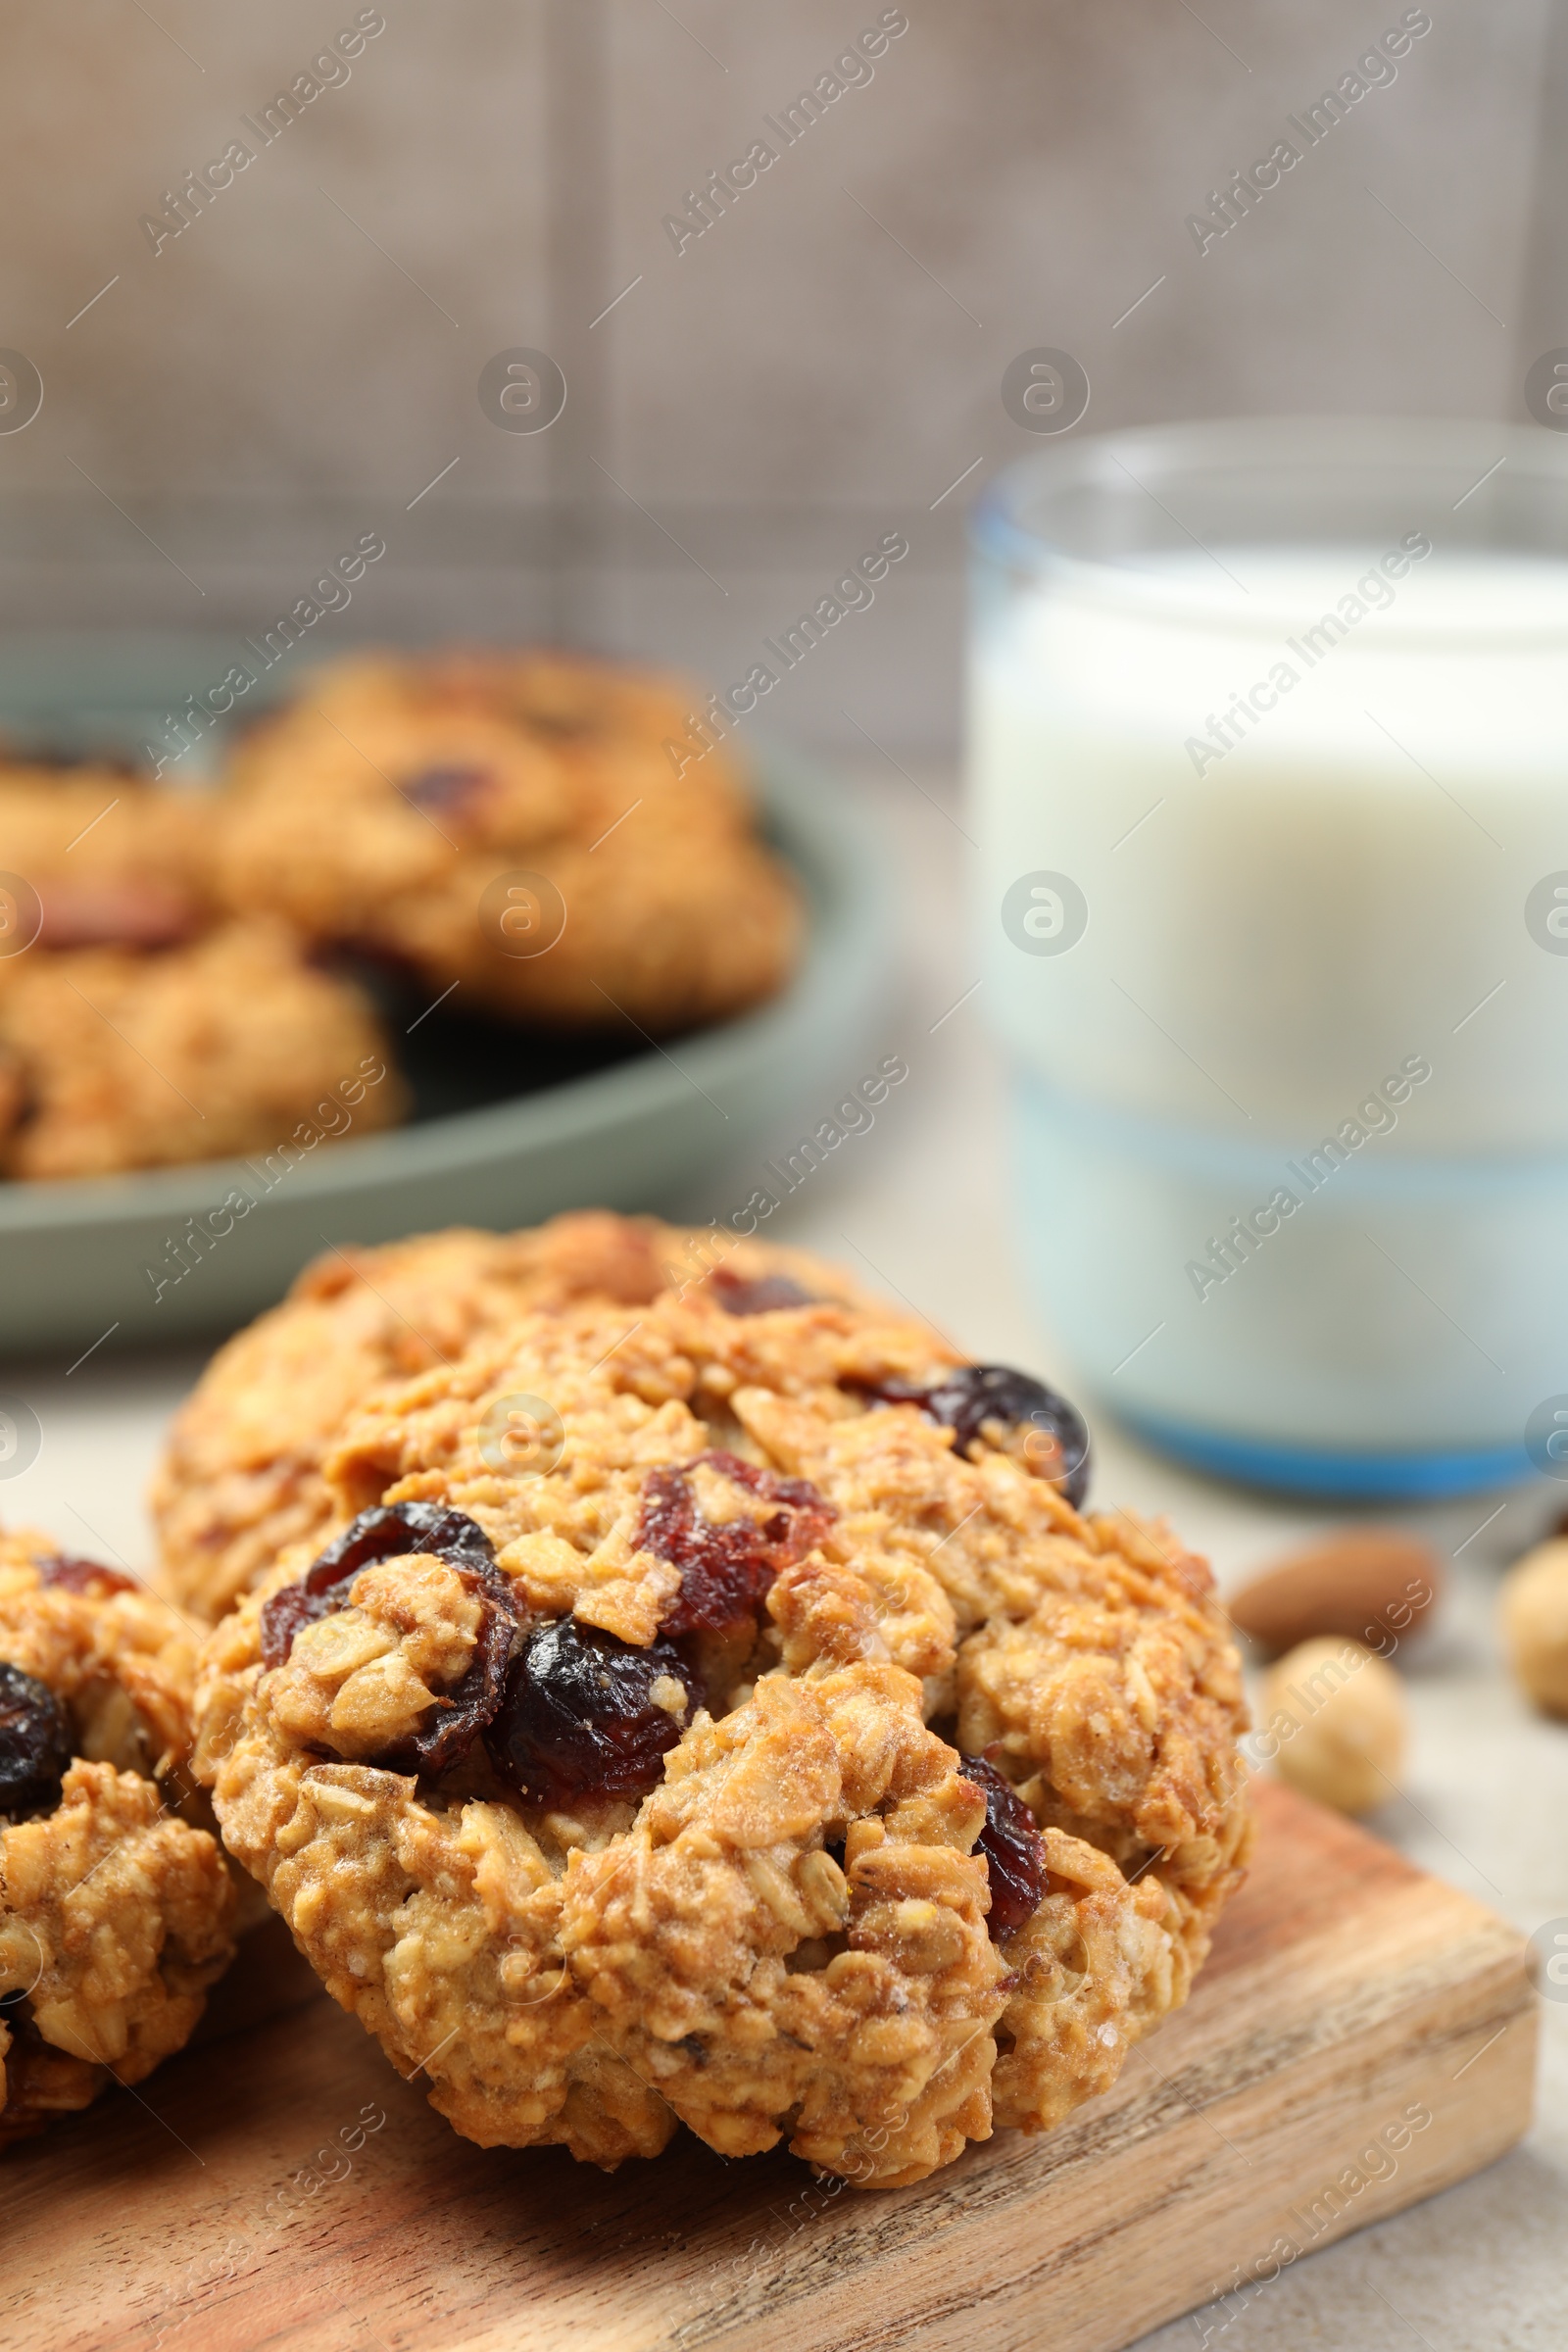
x,y
761,1296
35,1745
386,1533
448,789
578,1717
965,1399
389,1533
727,1569
85,1576
1013,1848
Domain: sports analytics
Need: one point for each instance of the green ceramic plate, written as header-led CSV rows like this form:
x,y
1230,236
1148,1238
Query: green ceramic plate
x,y
504,1131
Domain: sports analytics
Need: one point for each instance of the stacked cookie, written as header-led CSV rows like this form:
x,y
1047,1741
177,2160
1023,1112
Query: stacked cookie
x,y
143,1021
658,1682
509,832
117,1910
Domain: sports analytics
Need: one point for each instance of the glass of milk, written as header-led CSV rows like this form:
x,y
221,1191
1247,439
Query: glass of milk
x,y
1269,752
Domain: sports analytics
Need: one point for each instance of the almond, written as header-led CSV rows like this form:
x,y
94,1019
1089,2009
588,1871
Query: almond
x,y
1368,1584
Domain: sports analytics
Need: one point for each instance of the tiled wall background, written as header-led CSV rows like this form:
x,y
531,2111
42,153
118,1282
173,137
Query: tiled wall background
x,y
812,372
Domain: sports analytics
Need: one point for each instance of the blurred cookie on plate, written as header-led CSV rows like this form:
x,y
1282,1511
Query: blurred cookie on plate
x,y
140,1026
94,855
114,1057
514,825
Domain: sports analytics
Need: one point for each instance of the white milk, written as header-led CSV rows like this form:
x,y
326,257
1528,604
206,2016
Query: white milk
x,y
1287,907
1338,889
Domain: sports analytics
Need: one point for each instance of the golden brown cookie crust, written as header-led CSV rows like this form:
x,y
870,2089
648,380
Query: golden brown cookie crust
x,y
240,1478
785,1934
383,804
116,1913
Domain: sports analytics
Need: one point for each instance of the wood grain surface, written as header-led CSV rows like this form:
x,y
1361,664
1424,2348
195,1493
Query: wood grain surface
x,y
277,2185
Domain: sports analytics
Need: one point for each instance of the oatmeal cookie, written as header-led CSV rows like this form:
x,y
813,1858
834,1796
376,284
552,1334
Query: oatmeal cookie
x,y
241,1478
639,1784
395,801
111,1058
116,1913
106,860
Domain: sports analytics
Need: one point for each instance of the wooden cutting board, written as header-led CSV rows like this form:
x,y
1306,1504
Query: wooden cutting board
x,y
280,2187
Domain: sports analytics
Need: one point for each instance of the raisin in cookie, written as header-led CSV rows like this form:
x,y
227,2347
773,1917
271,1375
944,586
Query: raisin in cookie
x,y
512,826
241,1474
637,1782
116,1913
114,1058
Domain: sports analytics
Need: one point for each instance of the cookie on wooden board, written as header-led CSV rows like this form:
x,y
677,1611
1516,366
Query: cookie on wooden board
x,y
772,1744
